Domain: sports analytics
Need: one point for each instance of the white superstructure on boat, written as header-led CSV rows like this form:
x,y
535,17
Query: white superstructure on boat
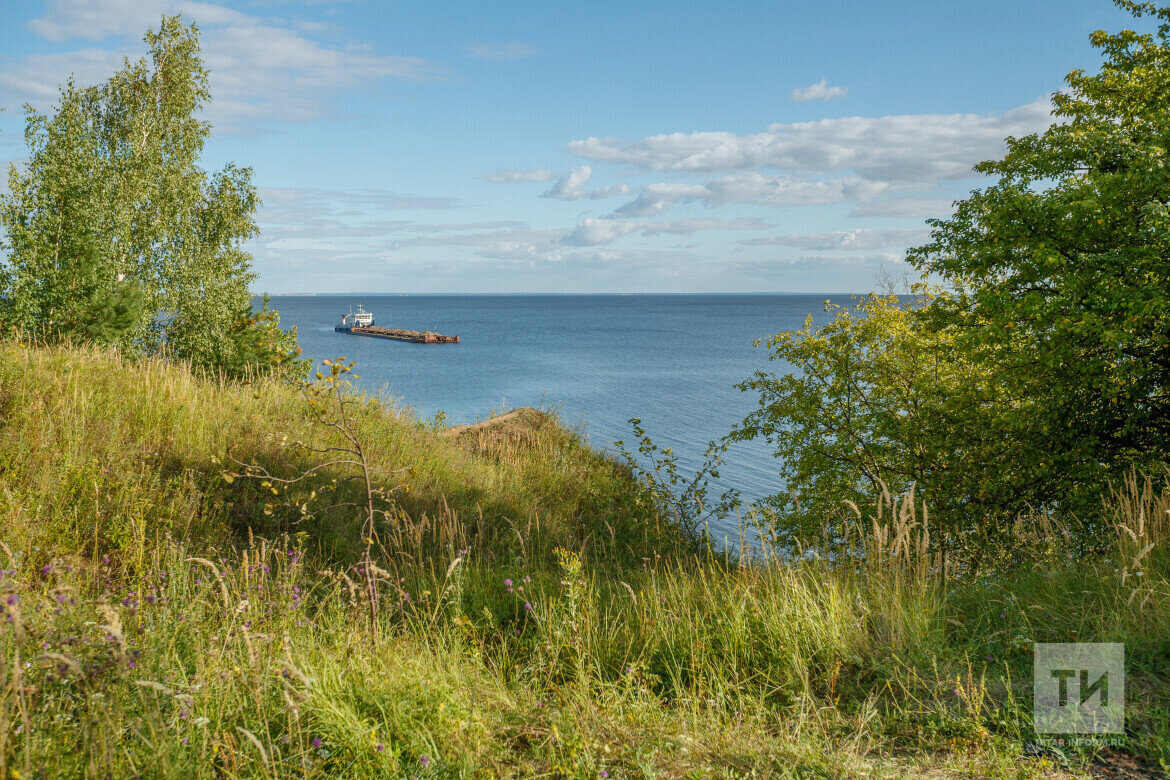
x,y
359,319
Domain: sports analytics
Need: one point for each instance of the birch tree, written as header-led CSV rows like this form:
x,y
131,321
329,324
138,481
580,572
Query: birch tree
x,y
113,215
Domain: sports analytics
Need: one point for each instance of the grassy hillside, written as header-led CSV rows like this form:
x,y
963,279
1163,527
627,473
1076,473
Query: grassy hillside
x,y
523,610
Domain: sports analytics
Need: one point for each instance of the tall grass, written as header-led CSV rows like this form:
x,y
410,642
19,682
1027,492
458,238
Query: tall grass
x,y
536,615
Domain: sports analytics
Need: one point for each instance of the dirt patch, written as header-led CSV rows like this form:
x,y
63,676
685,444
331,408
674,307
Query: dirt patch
x,y
1117,766
517,427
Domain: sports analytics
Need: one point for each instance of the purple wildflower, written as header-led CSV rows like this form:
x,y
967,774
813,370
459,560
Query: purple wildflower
x,y
423,760
316,742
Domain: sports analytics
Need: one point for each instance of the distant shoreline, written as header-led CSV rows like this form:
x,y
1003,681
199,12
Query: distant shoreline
x,y
548,294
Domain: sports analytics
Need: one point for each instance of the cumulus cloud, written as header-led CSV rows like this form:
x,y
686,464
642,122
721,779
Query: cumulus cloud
x,y
571,187
595,232
511,50
514,176
866,240
852,159
914,147
260,70
819,91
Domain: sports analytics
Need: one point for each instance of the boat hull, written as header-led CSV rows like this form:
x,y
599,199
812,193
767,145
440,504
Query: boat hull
x,y
398,334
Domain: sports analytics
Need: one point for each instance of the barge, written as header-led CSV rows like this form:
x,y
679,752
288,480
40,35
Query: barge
x,y
361,323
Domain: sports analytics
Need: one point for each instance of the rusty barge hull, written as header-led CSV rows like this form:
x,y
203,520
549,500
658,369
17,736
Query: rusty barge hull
x,y
398,334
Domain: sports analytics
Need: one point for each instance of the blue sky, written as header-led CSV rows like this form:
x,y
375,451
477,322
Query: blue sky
x,y
587,147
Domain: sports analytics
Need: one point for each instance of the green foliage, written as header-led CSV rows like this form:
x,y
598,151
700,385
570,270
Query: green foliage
x,y
137,447
155,621
96,308
1037,373
684,498
256,344
1058,278
863,407
113,208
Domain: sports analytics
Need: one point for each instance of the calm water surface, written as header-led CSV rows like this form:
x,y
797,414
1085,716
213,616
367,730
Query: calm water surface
x,y
672,360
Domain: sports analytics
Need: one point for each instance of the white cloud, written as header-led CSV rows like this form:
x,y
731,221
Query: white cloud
x,y
36,78
905,207
97,19
570,187
913,147
510,50
514,176
866,240
260,71
595,232
754,188
852,159
319,230
819,91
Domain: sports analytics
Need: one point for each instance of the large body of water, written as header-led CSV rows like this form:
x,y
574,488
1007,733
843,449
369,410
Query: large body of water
x,y
671,360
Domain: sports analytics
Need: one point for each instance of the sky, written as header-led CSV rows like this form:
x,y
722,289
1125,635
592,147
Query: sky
x,y
510,147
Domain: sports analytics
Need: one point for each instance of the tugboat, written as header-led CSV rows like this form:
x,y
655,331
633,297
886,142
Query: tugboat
x,y
361,323
360,319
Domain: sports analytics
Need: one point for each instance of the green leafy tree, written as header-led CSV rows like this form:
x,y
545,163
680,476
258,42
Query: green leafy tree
x,y
1039,371
113,198
1059,277
868,404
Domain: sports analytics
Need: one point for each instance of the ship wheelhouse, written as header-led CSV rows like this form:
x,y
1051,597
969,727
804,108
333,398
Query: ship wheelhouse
x,y
359,319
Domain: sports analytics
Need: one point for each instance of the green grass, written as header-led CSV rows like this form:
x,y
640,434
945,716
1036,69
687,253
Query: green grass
x,y
162,624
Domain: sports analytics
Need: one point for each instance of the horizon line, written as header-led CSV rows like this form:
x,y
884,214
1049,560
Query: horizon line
x,y
403,294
